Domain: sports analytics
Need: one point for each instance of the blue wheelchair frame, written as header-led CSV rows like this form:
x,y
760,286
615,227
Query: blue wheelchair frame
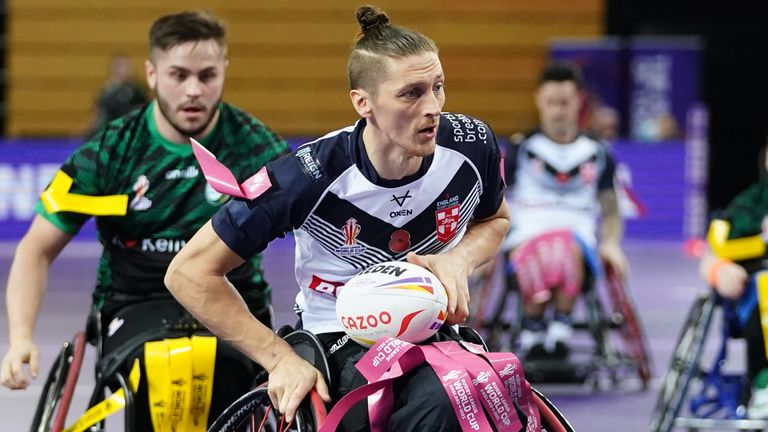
x,y
720,394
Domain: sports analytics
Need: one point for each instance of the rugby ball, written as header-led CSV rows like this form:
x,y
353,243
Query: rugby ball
x,y
396,299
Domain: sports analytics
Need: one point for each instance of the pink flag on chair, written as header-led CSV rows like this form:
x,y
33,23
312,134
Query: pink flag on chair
x,y
222,180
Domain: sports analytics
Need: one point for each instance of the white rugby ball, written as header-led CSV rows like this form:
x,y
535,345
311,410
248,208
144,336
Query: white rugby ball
x,y
396,299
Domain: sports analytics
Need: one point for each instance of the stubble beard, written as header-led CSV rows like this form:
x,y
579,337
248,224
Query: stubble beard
x,y
165,110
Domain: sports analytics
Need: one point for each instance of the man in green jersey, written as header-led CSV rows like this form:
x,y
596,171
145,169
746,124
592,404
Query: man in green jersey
x,y
747,220
147,157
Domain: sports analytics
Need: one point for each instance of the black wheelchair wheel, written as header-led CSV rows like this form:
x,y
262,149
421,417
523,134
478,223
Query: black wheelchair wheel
x,y
59,387
254,412
685,364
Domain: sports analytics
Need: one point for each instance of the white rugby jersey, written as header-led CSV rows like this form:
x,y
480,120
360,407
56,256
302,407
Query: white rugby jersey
x,y
555,186
345,218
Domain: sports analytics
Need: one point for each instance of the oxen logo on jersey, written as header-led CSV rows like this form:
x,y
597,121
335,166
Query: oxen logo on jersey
x,y
400,200
588,172
139,201
213,197
324,286
350,247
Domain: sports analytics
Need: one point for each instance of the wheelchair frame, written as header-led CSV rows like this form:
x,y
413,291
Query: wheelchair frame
x,y
716,402
59,387
53,405
502,333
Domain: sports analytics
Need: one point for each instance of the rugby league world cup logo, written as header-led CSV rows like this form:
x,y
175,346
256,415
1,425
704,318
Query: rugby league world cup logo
x,y
350,247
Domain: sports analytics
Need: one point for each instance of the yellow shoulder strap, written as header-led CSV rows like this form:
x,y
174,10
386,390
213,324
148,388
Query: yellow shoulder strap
x,y
203,365
734,249
156,366
58,199
180,377
180,367
180,386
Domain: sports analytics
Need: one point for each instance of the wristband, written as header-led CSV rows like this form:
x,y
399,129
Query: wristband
x,y
714,268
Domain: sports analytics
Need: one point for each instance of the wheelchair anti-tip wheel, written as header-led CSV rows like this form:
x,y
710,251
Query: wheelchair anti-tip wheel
x,y
685,364
59,387
254,412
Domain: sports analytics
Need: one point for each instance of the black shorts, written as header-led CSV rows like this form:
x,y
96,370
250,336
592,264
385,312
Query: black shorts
x,y
234,373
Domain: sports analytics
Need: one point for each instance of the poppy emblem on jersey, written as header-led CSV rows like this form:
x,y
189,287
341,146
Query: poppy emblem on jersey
x,y
588,172
139,201
350,247
447,223
400,241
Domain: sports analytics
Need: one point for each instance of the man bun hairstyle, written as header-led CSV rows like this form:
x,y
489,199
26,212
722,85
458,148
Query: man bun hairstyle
x,y
378,40
190,26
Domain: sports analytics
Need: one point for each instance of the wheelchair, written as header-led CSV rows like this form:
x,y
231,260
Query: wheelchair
x,y
254,411
695,396
111,369
498,312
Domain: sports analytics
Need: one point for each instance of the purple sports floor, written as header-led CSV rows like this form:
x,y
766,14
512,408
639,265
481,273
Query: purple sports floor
x,y
663,283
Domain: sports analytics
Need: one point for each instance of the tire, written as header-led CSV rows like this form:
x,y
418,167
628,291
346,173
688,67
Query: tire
x,y
254,412
59,387
684,365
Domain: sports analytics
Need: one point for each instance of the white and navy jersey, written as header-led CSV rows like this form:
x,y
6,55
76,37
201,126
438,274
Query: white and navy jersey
x,y
346,218
555,186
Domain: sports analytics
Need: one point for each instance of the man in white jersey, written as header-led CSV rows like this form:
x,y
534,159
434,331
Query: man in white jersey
x,y
560,183
406,182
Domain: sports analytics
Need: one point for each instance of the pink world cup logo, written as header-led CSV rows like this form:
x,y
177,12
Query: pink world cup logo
x,y
351,229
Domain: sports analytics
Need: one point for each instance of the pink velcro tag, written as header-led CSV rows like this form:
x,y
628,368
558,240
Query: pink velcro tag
x,y
222,180
257,184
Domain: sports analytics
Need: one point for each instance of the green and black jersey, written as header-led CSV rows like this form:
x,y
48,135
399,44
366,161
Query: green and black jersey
x,y
168,198
747,212
748,215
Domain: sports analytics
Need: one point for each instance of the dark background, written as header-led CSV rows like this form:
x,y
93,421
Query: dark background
x,y
734,85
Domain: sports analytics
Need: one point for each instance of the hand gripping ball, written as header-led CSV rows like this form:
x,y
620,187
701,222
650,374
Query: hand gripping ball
x,y
395,299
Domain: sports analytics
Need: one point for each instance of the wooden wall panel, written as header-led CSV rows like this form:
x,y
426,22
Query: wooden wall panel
x,y
287,57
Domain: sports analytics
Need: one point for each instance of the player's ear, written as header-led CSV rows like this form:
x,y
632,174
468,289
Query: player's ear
x,y
361,102
151,72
